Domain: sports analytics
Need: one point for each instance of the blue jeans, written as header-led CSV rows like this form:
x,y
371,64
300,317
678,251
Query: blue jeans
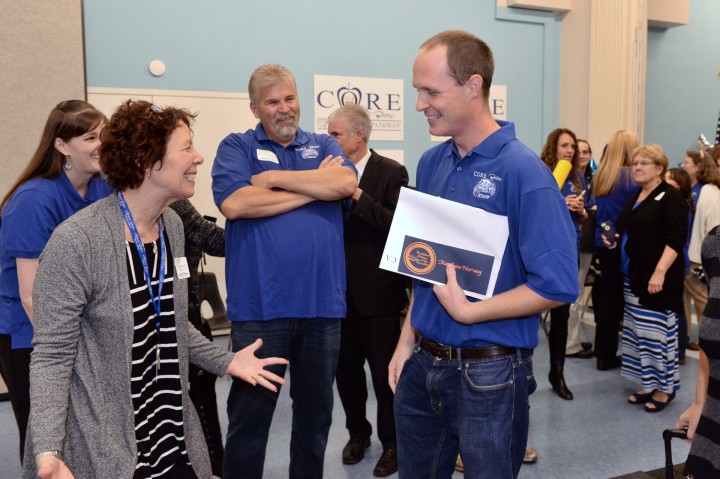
x,y
477,407
311,346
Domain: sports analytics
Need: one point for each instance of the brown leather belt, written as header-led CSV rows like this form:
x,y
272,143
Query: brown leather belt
x,y
445,352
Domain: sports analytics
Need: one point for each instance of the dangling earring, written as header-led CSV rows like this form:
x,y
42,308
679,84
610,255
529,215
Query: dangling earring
x,y
67,163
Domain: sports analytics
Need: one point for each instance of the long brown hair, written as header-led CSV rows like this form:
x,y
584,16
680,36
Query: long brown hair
x,y
680,176
549,155
707,169
616,157
69,119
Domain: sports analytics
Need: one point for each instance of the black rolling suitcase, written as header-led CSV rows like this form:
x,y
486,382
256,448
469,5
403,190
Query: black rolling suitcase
x,y
668,435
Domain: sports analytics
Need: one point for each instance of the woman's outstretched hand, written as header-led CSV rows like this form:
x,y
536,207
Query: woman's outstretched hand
x,y
246,366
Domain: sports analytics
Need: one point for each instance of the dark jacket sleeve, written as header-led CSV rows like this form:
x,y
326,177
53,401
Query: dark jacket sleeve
x,y
379,214
199,232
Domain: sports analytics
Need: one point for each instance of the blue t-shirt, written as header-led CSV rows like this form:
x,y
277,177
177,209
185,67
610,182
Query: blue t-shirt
x,y
291,265
502,176
569,189
696,191
28,219
609,206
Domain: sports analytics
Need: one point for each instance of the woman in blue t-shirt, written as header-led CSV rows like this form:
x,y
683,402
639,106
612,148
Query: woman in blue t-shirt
x,y
575,347
61,178
561,145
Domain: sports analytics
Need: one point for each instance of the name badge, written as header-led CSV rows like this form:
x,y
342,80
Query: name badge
x,y
266,155
182,268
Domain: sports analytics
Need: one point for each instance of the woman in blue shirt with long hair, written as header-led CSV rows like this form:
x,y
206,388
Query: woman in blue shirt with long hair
x,y
61,178
612,186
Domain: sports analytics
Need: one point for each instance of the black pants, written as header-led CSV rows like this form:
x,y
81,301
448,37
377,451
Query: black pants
x,y
608,302
557,337
372,339
202,394
15,369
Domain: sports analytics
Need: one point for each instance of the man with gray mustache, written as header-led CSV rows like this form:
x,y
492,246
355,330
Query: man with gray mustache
x,y
280,189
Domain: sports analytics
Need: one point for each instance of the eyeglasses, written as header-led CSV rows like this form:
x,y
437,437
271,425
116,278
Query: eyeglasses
x,y
642,163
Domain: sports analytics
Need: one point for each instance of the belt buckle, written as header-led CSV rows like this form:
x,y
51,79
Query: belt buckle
x,y
447,352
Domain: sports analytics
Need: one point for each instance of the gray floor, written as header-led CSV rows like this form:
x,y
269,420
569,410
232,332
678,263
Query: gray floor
x,y
596,436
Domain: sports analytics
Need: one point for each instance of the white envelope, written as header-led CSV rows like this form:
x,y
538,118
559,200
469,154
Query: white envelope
x,y
427,227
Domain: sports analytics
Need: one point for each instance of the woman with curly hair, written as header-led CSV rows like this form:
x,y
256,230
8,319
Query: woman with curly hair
x,y
561,145
109,373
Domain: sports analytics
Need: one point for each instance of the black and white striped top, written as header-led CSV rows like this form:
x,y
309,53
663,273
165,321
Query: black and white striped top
x,y
156,394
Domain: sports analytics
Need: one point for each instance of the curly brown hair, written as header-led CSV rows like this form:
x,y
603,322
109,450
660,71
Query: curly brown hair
x,y
135,139
549,154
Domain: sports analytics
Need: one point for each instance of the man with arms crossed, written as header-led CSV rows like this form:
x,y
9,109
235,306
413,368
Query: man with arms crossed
x,y
375,297
462,370
279,187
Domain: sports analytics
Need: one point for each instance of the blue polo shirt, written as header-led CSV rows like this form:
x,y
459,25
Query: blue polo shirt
x,y
502,176
291,265
28,219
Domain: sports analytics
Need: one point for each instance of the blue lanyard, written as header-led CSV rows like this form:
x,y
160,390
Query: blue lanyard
x,y
143,256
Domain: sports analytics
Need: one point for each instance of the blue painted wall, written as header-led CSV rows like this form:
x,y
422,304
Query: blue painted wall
x,y
683,91
215,45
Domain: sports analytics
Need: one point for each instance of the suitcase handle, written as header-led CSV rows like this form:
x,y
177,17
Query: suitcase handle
x,y
668,435
671,433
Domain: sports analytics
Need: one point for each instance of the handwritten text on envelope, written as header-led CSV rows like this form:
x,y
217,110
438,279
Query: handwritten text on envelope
x,y
428,233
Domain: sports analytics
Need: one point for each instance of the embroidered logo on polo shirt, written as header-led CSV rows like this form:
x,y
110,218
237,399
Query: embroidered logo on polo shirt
x,y
486,186
308,152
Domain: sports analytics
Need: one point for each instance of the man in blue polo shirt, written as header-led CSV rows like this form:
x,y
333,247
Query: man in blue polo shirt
x,y
462,370
279,187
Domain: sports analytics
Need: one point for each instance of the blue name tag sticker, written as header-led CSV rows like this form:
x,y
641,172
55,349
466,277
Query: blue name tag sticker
x,y
427,260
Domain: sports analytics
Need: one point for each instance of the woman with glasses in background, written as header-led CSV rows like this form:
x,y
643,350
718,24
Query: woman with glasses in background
x,y
652,230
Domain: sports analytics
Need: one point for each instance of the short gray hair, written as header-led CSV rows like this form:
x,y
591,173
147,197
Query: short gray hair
x,y
266,75
358,119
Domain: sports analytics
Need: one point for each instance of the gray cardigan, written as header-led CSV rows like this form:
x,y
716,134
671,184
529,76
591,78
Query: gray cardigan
x,y
80,368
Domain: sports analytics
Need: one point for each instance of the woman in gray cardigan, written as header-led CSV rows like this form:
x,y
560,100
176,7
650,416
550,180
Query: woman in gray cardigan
x,y
109,372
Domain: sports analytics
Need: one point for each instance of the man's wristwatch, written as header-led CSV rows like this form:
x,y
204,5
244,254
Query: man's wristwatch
x,y
40,455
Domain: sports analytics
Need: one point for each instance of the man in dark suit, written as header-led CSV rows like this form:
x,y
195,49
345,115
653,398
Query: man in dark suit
x,y
375,297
